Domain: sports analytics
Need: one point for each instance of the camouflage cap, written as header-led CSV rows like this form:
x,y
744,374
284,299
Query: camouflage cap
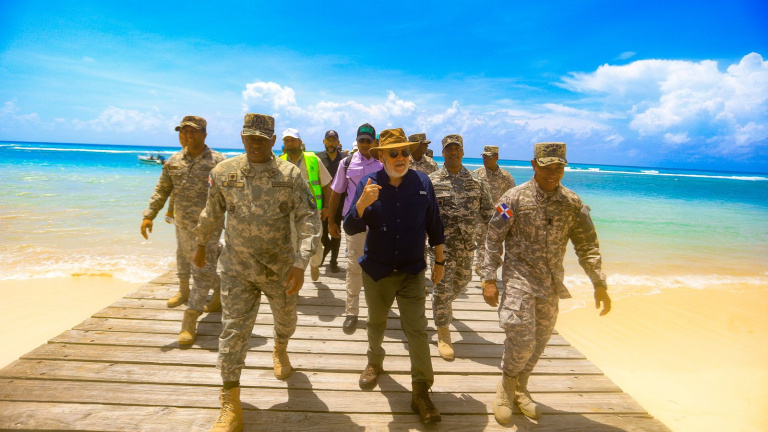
x,y
259,124
194,121
490,151
547,153
453,139
419,138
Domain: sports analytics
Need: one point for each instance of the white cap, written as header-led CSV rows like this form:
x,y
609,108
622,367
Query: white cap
x,y
291,132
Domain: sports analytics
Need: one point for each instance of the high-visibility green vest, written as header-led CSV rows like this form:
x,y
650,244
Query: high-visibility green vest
x,y
313,174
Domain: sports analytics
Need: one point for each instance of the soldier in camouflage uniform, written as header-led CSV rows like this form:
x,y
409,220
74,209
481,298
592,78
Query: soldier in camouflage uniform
x,y
464,202
532,224
423,163
420,161
499,181
185,176
258,193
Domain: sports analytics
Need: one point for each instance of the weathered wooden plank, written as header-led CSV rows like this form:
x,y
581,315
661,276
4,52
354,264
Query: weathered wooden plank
x,y
301,361
125,357
265,317
294,399
318,380
311,295
302,332
100,417
336,308
393,348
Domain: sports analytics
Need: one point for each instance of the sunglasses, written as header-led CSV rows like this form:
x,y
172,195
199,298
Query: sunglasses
x,y
364,140
393,153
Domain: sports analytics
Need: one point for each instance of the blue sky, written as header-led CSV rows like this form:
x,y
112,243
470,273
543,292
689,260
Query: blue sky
x,y
658,83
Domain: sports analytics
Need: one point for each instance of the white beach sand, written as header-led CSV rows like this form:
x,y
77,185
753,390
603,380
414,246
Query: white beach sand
x,y
35,310
695,359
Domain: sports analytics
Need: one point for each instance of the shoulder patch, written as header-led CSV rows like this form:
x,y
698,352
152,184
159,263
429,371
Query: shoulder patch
x,y
504,211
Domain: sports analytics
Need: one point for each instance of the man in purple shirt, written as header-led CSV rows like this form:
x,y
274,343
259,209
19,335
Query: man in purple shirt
x,y
398,209
351,170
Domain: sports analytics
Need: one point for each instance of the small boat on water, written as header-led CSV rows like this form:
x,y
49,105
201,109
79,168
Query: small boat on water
x,y
149,159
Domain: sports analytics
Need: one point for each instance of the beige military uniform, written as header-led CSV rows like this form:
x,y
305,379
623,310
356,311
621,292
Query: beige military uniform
x,y
464,202
499,181
258,200
426,164
532,228
186,179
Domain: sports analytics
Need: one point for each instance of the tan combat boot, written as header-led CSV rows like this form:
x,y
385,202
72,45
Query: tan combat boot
x,y
282,363
231,415
524,400
181,296
505,393
215,304
422,405
444,343
189,327
314,273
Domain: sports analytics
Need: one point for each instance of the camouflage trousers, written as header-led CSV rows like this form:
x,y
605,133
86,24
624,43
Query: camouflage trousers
x,y
528,322
458,273
355,249
240,300
408,289
183,267
481,251
205,278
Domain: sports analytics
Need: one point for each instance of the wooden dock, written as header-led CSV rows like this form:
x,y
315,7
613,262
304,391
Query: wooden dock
x,y
122,370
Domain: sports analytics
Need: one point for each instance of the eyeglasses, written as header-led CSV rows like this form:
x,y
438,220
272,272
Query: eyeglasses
x,y
393,153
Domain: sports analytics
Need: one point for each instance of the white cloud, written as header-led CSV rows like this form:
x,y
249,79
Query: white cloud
x,y
273,94
626,55
11,116
683,101
314,120
514,128
676,138
119,120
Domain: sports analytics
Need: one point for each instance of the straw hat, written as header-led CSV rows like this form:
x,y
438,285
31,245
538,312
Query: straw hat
x,y
392,139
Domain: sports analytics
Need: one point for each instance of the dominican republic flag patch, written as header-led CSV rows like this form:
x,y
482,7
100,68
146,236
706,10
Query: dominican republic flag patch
x,y
504,211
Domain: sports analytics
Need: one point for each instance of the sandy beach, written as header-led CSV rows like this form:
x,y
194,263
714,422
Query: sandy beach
x,y
695,359
36,310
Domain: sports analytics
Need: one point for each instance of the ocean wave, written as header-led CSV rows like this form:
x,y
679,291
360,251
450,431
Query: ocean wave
x,y
568,168
623,286
656,173
136,152
51,265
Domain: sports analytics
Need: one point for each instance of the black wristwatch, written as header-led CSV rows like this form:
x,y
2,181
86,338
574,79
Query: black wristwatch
x,y
442,263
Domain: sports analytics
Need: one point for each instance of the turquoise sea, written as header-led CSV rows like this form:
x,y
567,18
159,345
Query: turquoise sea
x,y
75,209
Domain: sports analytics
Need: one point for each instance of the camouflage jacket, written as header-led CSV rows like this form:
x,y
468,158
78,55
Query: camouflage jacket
x,y
464,202
499,181
258,202
426,164
533,230
187,179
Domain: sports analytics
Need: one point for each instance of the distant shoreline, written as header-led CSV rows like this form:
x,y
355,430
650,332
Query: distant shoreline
x,y
437,158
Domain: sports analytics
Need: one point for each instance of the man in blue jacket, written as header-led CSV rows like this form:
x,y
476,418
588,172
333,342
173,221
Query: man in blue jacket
x,y
398,207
